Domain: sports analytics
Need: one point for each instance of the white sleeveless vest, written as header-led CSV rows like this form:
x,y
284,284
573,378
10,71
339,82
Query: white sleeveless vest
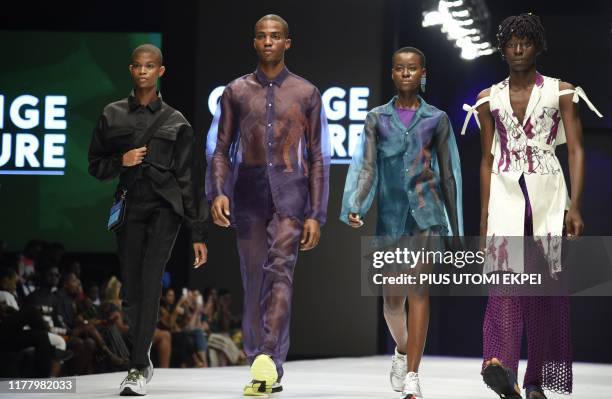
x,y
527,149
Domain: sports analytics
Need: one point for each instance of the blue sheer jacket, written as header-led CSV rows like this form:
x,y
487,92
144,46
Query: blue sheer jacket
x,y
414,170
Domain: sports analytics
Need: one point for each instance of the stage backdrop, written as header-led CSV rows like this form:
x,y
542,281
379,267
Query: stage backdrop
x,y
53,87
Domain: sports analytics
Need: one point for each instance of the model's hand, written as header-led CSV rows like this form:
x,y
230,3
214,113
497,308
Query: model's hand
x,y
310,234
134,157
200,254
220,211
355,220
573,223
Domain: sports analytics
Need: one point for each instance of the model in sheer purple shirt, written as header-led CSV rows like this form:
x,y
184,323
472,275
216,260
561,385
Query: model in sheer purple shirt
x,y
268,176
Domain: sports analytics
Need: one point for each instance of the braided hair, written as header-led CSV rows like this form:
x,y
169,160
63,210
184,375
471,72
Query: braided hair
x,y
522,26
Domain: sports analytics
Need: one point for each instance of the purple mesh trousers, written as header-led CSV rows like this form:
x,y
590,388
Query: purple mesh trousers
x,y
546,322
268,249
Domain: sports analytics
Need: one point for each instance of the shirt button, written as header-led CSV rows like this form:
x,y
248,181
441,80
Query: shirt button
x,y
269,124
269,105
270,84
407,170
270,164
406,132
412,210
269,144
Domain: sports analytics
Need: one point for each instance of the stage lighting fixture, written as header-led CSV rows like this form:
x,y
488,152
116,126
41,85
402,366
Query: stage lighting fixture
x,y
466,22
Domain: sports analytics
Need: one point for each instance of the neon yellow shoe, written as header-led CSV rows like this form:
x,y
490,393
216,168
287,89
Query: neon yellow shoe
x,y
263,374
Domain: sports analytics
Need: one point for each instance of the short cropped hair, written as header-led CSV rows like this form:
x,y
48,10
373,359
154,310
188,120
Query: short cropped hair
x,y
410,50
148,48
277,18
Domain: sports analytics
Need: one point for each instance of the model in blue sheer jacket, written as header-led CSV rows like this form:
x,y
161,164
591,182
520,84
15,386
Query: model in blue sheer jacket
x,y
408,160
413,170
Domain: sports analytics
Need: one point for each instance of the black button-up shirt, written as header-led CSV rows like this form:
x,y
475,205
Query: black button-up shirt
x,y
171,164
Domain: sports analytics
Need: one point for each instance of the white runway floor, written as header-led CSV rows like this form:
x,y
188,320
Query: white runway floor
x,y
363,378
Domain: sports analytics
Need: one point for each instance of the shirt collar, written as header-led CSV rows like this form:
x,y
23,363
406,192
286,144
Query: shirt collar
x,y
424,109
278,80
153,106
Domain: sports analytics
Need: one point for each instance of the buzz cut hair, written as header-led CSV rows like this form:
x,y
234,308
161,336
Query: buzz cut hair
x,y
522,26
409,50
277,18
148,48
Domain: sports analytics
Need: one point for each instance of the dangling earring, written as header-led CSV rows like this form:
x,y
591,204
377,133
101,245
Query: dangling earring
x,y
423,83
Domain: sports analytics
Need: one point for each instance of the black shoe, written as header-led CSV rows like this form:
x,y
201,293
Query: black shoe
x,y
502,381
533,392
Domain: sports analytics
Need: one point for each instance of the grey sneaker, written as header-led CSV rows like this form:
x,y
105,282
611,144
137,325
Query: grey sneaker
x,y
133,384
399,368
412,387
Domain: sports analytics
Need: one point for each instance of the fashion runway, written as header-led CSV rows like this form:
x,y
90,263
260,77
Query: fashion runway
x,y
363,378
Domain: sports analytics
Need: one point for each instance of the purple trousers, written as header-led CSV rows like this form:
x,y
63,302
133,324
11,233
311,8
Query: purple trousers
x,y
268,248
546,322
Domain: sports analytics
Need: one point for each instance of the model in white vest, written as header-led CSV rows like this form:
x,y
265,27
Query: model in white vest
x,y
523,193
527,149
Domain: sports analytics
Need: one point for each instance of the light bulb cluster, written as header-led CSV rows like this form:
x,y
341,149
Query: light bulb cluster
x,y
466,23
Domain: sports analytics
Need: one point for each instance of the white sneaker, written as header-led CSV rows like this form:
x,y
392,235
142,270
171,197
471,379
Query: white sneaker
x,y
148,371
399,368
412,387
133,384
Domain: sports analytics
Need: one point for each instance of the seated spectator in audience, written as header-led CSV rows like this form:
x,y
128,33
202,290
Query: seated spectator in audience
x,y
162,343
93,293
20,329
174,318
43,300
26,267
8,286
210,305
225,340
110,323
196,326
65,305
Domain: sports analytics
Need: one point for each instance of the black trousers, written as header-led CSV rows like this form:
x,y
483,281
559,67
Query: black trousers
x,y
144,242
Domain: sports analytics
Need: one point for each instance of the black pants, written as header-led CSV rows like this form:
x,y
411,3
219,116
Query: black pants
x,y
144,244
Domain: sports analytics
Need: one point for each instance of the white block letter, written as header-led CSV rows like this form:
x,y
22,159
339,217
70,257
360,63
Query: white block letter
x,y
54,149
31,115
1,112
359,103
337,136
53,111
26,146
337,110
5,150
